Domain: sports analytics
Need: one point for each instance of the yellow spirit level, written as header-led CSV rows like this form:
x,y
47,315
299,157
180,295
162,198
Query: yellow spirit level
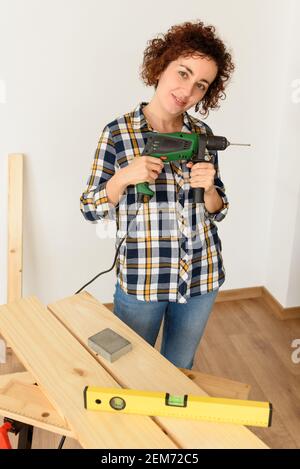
x,y
213,409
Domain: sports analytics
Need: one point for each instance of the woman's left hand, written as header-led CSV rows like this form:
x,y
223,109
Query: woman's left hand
x,y
202,175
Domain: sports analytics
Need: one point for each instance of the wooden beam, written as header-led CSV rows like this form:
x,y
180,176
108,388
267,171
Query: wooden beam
x,y
15,234
15,227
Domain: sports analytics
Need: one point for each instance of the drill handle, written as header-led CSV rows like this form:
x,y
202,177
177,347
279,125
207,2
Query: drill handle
x,y
198,195
198,192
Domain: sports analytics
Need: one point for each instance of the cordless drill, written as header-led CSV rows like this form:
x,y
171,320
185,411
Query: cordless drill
x,y
181,146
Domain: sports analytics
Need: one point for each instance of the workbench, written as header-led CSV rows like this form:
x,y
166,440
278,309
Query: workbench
x,y
51,342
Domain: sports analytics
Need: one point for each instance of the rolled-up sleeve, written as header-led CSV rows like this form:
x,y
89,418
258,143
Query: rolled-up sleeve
x,y
220,214
94,203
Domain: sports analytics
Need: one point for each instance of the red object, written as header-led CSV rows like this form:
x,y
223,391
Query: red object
x,y
4,440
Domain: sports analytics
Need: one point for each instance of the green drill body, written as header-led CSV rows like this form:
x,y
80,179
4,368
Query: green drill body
x,y
180,146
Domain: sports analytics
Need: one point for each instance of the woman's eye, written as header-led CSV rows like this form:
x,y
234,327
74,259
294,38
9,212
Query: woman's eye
x,y
200,86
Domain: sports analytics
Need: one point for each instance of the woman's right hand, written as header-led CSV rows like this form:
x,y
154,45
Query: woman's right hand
x,y
143,169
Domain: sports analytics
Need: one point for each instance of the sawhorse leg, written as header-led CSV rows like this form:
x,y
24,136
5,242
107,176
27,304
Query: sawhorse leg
x,y
24,431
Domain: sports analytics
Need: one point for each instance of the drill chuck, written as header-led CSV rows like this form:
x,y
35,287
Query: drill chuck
x,y
217,143
214,142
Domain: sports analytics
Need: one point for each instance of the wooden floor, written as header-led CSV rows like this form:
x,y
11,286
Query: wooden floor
x,y
243,341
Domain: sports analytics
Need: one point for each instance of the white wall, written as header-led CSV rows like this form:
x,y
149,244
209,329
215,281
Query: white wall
x,y
72,66
283,252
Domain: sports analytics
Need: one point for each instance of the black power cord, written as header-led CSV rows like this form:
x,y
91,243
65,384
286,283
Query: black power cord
x,y
105,272
61,443
116,255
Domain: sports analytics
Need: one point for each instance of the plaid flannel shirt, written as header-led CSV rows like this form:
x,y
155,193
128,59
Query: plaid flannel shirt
x,y
172,251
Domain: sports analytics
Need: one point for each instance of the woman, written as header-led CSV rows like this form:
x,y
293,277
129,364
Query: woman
x,y
170,265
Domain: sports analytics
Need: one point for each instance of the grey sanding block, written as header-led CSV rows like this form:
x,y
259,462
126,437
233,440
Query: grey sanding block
x,y
109,344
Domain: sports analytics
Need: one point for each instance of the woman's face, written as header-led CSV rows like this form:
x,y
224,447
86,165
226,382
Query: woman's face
x,y
184,82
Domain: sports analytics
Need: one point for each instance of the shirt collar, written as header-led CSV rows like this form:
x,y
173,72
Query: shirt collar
x,y
139,121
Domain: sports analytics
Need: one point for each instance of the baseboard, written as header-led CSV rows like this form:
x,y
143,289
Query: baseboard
x,y
248,293
260,292
239,294
278,309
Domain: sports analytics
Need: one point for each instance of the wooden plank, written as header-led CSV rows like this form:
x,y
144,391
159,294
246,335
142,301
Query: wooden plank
x,y
144,368
62,368
15,234
22,400
15,224
217,386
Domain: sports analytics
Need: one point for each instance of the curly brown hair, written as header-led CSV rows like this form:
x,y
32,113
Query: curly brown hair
x,y
186,39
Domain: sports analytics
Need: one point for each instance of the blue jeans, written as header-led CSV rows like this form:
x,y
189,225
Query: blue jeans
x,y
184,323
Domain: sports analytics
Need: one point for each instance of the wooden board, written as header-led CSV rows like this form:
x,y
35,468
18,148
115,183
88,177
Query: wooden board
x,y
15,224
22,400
62,368
144,368
15,235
